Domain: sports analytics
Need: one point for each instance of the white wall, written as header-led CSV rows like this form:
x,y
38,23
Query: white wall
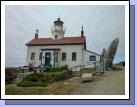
x,y
86,61
63,48
58,30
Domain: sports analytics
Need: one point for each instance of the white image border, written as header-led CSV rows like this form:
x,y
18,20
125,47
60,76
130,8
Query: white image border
x,y
3,5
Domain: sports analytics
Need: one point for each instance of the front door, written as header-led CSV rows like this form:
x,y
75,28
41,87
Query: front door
x,y
48,60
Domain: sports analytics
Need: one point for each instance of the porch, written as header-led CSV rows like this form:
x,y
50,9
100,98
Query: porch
x,y
49,58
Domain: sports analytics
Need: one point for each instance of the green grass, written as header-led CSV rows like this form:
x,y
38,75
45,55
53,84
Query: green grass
x,y
16,91
57,69
32,84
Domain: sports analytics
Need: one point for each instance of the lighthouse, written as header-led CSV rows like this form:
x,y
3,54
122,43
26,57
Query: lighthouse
x,y
59,50
58,30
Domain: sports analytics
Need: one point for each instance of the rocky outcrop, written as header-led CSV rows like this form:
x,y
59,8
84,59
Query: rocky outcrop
x,y
107,57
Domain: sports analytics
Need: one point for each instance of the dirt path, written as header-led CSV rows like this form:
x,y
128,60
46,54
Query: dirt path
x,y
110,83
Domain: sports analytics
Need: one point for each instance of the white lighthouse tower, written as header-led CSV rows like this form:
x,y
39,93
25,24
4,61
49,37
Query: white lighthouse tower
x,y
58,31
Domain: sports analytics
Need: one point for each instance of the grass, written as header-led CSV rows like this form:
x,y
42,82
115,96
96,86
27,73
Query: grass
x,y
32,84
17,91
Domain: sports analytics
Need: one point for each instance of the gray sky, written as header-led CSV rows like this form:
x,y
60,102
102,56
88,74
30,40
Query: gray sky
x,y
101,25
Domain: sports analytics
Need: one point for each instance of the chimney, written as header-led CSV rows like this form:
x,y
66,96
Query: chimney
x,y
58,19
36,34
82,32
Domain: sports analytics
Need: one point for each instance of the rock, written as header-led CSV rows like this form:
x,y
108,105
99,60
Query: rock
x,y
107,57
86,77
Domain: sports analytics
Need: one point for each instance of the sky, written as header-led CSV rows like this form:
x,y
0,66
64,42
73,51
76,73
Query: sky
x,y
101,25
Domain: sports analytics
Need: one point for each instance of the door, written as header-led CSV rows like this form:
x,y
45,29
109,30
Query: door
x,y
48,60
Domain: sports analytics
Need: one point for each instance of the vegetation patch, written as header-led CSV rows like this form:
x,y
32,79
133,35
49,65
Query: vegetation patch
x,y
31,84
26,91
44,78
10,75
58,76
31,80
58,69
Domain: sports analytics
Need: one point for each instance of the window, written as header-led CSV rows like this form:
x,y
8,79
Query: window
x,y
56,36
92,58
73,56
32,56
40,56
63,56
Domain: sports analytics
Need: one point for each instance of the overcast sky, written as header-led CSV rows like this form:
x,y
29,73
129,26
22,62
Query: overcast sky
x,y
101,25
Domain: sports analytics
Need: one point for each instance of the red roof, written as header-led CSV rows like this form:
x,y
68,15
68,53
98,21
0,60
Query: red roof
x,y
50,41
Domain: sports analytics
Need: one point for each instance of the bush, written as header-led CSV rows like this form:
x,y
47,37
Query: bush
x,y
57,69
34,77
40,79
14,70
34,80
10,75
61,76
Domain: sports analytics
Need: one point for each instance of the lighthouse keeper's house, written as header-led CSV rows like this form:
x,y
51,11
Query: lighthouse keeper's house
x,y
59,50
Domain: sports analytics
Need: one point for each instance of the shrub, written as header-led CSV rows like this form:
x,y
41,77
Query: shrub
x,y
14,70
40,79
61,76
57,69
9,75
34,80
35,77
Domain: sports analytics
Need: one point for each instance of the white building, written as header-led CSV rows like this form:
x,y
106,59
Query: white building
x,y
59,50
